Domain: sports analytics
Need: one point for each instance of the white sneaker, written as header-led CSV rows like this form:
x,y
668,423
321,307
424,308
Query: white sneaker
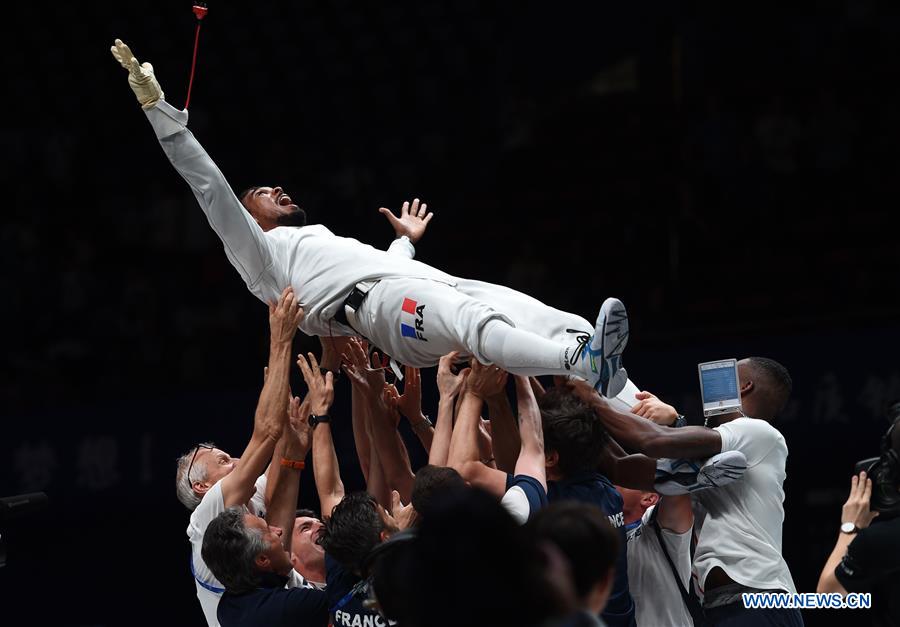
x,y
683,476
601,354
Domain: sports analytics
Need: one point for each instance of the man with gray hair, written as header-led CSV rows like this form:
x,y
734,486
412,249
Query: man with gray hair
x,y
248,556
210,481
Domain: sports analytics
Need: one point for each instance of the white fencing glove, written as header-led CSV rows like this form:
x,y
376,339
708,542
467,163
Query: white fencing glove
x,y
140,76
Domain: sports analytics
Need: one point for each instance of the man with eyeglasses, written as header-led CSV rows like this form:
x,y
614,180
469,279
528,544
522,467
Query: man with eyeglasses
x,y
209,480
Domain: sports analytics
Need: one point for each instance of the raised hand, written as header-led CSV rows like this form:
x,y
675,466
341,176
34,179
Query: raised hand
x,y
403,516
410,402
332,349
141,78
321,389
360,372
297,432
412,222
856,509
284,317
449,384
486,381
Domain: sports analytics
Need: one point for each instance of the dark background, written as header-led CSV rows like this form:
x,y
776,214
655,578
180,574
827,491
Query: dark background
x,y
730,172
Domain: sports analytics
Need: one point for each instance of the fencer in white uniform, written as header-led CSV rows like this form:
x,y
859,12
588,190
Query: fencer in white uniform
x,y
413,312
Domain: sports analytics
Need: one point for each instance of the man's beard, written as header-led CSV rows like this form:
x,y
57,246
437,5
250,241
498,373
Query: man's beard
x,y
294,218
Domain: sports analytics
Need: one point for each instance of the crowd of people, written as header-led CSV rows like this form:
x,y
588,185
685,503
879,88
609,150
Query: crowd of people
x,y
532,512
592,503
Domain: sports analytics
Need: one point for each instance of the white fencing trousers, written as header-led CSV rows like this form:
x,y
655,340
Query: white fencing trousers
x,y
416,321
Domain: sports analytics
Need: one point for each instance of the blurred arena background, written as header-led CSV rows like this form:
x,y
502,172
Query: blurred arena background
x,y
739,162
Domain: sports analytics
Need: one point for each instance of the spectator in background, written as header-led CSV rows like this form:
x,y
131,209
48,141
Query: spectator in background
x,y
584,536
866,557
473,564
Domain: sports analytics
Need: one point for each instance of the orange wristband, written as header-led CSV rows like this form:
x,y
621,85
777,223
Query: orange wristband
x,y
290,463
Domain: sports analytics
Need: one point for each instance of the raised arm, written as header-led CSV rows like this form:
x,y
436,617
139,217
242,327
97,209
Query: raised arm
x,y
325,464
382,430
246,246
449,386
465,454
410,405
856,510
296,441
271,411
646,436
504,432
531,460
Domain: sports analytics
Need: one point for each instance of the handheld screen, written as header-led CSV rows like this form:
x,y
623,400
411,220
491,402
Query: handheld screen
x,y
719,386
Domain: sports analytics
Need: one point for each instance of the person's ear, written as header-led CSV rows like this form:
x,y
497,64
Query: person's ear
x,y
649,499
200,488
263,562
746,387
551,459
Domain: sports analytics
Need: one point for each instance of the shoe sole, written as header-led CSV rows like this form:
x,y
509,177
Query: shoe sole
x,y
721,470
614,338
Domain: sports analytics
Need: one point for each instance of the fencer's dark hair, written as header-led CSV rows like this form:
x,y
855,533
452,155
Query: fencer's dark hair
x,y
247,192
584,536
352,531
432,483
573,430
778,386
230,549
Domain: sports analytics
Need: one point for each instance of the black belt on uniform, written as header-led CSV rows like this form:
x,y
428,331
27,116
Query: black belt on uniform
x,y
353,301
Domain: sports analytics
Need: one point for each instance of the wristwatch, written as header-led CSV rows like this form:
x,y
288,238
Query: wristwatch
x,y
422,424
313,420
849,527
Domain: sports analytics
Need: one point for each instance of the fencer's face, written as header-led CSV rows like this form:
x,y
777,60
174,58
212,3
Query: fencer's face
x,y
272,207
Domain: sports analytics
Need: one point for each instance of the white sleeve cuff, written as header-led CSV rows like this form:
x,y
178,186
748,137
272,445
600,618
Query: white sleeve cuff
x,y
166,119
403,246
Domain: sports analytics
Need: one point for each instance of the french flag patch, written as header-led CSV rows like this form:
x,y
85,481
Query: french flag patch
x,y
412,320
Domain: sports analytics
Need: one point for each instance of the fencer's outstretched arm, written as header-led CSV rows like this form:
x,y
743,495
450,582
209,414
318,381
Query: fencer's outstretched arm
x,y
247,247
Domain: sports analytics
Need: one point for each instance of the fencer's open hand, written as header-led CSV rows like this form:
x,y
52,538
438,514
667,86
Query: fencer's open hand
x,y
140,75
412,222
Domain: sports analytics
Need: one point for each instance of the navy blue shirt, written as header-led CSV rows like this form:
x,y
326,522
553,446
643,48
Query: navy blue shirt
x,y
272,605
346,593
592,487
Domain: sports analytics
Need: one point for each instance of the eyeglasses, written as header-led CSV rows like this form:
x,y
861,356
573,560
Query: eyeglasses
x,y
187,475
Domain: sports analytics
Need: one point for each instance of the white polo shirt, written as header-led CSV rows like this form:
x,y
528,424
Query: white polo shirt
x,y
209,589
741,532
657,599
